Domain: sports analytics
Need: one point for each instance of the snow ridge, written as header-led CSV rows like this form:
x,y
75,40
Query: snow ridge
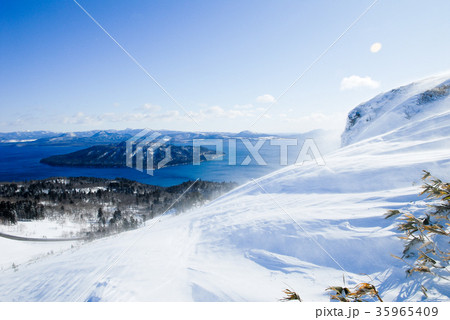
x,y
395,108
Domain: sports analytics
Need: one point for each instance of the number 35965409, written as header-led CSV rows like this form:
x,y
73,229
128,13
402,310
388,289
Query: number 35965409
x,y
407,311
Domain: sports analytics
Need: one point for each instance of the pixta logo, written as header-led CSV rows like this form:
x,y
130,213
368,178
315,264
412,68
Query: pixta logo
x,y
279,147
144,148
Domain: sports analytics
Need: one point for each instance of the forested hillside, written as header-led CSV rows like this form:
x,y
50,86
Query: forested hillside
x,y
107,204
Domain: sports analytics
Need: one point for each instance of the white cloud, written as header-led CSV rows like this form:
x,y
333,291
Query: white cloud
x,y
151,107
214,111
123,117
217,112
376,47
315,120
354,82
265,98
81,119
139,116
112,117
244,106
168,116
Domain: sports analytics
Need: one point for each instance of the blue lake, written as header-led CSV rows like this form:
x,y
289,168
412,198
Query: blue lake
x,y
20,163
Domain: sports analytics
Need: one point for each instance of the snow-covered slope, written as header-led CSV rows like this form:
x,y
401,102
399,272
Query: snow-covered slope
x,y
395,108
302,227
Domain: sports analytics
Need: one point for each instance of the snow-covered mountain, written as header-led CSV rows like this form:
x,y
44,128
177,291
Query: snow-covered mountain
x,y
302,227
397,107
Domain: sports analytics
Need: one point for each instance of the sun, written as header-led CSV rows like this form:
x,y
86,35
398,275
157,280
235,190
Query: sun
x,y
375,47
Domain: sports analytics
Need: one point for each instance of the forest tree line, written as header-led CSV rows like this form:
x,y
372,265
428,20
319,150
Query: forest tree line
x,y
109,204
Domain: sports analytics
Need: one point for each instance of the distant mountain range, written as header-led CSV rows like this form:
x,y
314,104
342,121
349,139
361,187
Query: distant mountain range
x,y
98,137
102,137
82,138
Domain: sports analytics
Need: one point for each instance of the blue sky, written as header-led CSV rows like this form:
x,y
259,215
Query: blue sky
x,y
223,61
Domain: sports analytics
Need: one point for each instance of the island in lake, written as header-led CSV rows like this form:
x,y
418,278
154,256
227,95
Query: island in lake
x,y
115,156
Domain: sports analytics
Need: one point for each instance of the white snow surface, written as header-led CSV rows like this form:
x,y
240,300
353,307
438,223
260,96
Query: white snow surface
x,y
47,228
303,228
